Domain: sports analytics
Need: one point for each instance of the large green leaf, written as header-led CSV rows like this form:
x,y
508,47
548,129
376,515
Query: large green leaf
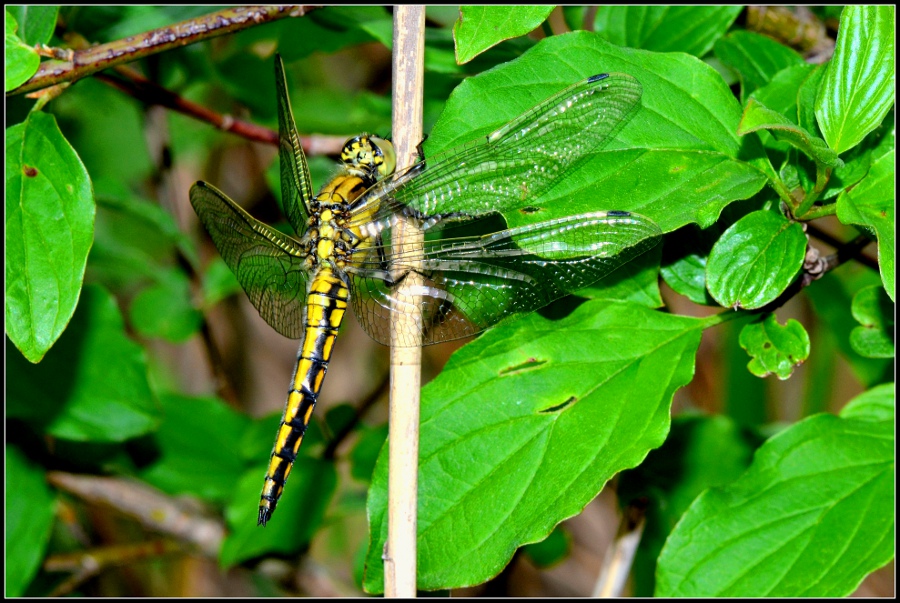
x,y
480,27
755,58
49,230
36,22
664,28
811,517
92,386
30,508
679,160
524,427
858,89
198,448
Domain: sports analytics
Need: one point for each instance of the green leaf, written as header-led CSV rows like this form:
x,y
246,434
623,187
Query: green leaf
x,y
36,22
92,386
755,260
758,117
219,282
481,27
49,229
806,98
300,513
870,204
551,550
755,58
690,29
22,61
197,448
811,517
165,310
672,476
874,311
676,162
30,507
858,90
568,415
775,348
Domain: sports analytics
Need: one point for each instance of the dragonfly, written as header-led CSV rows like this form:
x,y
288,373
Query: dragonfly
x,y
460,283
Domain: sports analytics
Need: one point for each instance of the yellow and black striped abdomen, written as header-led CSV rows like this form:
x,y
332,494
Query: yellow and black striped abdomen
x,y
325,308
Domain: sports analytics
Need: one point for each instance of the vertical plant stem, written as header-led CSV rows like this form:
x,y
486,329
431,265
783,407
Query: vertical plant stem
x,y
403,462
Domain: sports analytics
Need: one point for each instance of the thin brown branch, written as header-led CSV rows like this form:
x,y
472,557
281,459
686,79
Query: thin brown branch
x,y
88,61
89,563
152,508
148,92
815,267
823,236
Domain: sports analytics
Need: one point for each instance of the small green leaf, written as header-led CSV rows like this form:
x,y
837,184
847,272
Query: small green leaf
x,y
858,90
299,515
30,506
775,348
755,58
811,517
780,94
871,204
755,260
874,311
758,117
49,230
22,61
481,27
165,310
92,386
569,413
663,28
685,271
197,448
551,550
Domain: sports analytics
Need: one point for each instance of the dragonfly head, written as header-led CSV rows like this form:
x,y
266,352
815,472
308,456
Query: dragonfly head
x,y
369,156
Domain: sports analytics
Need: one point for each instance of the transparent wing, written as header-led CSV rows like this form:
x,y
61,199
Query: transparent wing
x,y
514,165
296,188
270,266
473,283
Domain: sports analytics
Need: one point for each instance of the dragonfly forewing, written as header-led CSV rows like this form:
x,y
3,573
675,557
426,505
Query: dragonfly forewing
x,y
296,185
473,283
517,163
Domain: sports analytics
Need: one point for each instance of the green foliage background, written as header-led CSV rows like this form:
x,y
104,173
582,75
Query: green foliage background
x,y
131,352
